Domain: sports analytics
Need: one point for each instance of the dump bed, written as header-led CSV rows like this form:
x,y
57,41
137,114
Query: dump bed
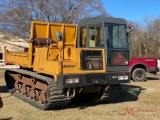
x,y
17,58
42,32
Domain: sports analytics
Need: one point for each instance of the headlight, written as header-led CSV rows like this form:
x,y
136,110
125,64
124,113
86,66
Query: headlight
x,y
72,80
123,77
126,62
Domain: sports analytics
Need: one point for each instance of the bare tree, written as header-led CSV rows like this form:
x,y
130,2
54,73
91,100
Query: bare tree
x,y
145,39
16,15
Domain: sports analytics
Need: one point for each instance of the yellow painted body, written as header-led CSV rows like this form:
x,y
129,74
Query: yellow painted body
x,y
60,57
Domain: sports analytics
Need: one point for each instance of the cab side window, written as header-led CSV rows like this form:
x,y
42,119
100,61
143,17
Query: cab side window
x,y
96,36
83,37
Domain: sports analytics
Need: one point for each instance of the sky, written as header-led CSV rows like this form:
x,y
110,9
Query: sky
x,y
132,10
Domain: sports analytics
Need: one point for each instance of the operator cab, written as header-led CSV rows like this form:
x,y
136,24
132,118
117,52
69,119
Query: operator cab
x,y
108,33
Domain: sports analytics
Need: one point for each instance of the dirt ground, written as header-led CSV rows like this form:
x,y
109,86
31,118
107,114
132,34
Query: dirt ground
x,y
138,100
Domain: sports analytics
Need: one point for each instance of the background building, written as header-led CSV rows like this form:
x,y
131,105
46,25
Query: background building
x,y
13,43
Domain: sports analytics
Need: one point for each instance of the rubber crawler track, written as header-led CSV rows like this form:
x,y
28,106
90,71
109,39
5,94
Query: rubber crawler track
x,y
56,97
109,93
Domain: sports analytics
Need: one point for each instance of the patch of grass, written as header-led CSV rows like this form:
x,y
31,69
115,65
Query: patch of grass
x,y
2,69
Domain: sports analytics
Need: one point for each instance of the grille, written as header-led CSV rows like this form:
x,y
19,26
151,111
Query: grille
x,y
91,60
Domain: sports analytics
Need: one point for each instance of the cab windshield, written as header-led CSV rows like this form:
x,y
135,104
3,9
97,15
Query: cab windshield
x,y
116,36
113,36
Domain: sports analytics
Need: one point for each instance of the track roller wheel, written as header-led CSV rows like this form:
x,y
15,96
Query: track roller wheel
x,y
19,88
24,91
42,97
36,95
16,85
27,91
32,94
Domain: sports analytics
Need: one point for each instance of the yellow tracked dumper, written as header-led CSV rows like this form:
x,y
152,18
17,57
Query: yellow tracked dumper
x,y
64,60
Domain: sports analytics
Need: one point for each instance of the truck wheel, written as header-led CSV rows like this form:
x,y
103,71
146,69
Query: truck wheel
x,y
139,75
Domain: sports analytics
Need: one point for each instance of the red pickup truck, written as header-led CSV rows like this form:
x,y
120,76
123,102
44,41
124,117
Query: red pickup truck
x,y
139,67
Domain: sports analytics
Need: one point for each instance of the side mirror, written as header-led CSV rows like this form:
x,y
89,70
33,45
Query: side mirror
x,y
59,36
129,29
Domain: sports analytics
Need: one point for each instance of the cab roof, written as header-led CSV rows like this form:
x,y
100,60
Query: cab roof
x,y
101,20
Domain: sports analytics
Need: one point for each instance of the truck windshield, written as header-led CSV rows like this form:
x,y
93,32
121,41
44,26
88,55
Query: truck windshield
x,y
116,36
